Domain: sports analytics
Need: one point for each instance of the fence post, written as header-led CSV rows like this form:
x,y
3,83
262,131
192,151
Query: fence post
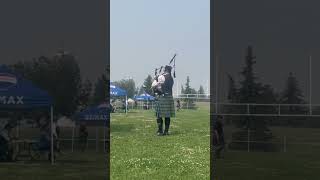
x,y
248,139
188,104
97,139
284,144
72,143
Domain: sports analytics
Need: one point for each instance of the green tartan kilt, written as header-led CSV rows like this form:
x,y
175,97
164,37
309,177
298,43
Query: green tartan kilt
x,y
164,107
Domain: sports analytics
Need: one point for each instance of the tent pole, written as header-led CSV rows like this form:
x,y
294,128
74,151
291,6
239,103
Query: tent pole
x,y
72,144
18,128
104,138
126,104
52,155
97,141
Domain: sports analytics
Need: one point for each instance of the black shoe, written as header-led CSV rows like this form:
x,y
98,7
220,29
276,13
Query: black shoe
x,y
159,134
166,133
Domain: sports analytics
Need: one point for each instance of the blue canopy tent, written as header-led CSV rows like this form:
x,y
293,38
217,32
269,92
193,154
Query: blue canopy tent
x,y
145,97
98,113
95,115
118,92
17,93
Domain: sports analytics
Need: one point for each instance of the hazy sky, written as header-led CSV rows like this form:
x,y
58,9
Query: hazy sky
x,y
283,33
38,27
145,34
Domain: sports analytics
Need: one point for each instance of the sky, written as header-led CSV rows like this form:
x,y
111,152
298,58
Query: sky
x,y
34,28
283,34
145,34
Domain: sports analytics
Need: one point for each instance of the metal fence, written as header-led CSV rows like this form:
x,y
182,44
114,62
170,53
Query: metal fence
x,y
284,137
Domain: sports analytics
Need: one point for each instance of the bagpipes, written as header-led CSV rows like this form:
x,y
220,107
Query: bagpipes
x,y
157,90
158,73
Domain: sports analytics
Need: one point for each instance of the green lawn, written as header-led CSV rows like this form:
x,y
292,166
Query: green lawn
x,y
72,166
300,162
137,153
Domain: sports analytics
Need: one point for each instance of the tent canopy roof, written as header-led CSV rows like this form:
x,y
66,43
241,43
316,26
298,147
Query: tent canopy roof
x,y
144,97
19,93
116,91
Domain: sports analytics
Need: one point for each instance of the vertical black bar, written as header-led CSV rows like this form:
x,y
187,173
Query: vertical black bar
x,y
212,87
107,38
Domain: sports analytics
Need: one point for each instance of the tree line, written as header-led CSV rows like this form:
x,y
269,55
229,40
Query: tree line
x,y
250,90
130,86
60,76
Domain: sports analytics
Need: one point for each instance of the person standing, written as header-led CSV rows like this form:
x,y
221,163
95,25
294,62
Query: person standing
x,y
219,134
178,105
83,136
164,100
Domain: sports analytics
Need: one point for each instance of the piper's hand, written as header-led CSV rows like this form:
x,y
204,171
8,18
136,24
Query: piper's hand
x,y
154,84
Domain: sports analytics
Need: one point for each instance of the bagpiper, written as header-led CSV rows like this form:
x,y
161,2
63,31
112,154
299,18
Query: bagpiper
x,y
162,86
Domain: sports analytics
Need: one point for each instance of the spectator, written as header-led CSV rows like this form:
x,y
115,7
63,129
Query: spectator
x,y
218,135
83,135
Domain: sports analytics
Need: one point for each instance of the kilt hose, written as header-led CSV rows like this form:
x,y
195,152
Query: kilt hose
x,y
164,107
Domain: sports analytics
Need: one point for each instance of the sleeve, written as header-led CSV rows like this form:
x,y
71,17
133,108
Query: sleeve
x,y
161,79
154,83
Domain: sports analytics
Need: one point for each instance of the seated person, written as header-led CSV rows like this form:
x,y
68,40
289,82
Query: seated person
x,y
6,145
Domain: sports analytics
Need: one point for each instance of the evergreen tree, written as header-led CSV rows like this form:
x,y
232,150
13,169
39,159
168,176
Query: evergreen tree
x,y
128,85
100,90
201,91
189,102
182,90
251,91
292,94
59,76
147,84
187,89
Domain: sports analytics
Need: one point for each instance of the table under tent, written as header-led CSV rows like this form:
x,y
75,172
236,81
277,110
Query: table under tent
x,y
116,93
96,116
20,95
145,100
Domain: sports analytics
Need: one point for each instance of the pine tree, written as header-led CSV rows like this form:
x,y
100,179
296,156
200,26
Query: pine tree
x,y
182,90
189,103
251,91
147,84
201,91
292,94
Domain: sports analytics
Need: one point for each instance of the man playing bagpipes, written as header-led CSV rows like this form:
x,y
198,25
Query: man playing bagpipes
x,y
162,87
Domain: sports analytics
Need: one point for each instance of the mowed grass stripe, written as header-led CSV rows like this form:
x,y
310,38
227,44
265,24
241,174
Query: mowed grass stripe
x,y
143,155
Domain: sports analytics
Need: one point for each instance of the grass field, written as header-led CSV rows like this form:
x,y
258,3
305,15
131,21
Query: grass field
x,y
137,153
75,166
69,166
301,161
